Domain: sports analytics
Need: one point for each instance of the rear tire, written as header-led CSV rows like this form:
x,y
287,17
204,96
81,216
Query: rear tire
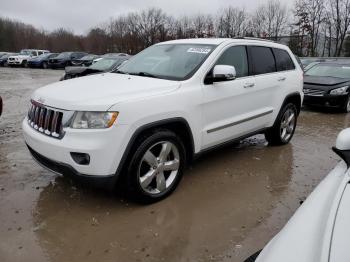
x,y
45,65
156,167
283,130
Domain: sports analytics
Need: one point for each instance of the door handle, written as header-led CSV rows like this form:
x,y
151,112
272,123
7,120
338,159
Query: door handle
x,y
282,78
248,85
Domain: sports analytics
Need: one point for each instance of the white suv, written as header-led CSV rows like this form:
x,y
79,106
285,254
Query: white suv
x,y
174,100
22,58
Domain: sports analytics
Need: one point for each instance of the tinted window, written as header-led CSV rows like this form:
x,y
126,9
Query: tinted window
x,y
283,60
262,59
235,56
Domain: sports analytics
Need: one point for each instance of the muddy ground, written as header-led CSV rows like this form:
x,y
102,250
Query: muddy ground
x,y
229,204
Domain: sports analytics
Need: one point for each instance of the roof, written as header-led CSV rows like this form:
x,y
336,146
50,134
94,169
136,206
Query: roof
x,y
218,41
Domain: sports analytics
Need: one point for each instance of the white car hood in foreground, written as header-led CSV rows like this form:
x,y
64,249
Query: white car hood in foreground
x,y
307,235
100,92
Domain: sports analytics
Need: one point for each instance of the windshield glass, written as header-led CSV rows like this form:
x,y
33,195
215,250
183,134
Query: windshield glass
x,y
341,71
63,55
168,61
25,52
88,57
104,64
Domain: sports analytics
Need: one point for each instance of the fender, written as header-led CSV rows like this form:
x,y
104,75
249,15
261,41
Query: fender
x,y
149,126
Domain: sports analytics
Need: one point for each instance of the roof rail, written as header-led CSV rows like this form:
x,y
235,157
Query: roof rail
x,y
255,38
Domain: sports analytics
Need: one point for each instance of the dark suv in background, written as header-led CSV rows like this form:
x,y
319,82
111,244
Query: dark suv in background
x,y
65,59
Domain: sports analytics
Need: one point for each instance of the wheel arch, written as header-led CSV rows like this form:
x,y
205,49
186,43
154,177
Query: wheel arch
x,y
294,98
178,125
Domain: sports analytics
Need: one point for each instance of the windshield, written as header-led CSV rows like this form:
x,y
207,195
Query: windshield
x,y
25,52
88,57
63,55
105,64
168,61
341,71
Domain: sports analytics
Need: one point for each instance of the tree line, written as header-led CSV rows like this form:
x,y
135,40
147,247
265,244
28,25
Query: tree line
x,y
309,27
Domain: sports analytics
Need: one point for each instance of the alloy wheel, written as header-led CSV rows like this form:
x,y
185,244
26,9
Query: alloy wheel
x,y
159,168
287,124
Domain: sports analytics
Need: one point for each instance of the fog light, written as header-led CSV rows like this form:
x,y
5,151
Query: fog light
x,y
80,158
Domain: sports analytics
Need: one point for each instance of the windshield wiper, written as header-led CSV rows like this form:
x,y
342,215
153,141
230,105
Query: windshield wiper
x,y
120,72
144,74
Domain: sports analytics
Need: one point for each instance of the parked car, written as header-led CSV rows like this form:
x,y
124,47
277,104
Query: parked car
x,y
166,105
64,59
3,53
41,61
320,228
22,58
327,84
102,65
85,60
3,59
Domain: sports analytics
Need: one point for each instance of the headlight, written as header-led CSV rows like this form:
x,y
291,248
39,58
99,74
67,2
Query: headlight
x,y
93,120
340,91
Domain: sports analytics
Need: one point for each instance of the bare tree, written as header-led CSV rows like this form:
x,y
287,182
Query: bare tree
x,y
231,22
339,19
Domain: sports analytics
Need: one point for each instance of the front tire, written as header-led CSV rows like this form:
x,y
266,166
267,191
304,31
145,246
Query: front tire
x,y
283,130
45,65
157,166
25,64
346,106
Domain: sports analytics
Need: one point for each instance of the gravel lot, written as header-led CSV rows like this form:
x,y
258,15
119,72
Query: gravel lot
x,y
229,204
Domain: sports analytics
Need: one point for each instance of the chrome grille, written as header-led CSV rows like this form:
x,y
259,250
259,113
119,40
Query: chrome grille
x,y
46,120
313,92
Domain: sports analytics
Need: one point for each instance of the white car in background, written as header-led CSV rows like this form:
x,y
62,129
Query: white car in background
x,y
319,231
22,58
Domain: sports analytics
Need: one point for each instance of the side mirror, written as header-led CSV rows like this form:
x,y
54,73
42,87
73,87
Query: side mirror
x,y
342,145
223,73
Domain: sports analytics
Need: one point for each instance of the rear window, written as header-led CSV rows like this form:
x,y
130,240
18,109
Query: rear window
x,y
263,61
283,60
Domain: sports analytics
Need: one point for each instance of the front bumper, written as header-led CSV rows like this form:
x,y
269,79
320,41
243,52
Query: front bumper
x,y
68,171
104,147
325,100
14,62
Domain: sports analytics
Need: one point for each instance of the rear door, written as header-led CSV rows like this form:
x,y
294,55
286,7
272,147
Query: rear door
x,y
264,69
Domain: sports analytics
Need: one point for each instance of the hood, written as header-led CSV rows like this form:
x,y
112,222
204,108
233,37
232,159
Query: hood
x,y
75,69
323,82
101,91
307,235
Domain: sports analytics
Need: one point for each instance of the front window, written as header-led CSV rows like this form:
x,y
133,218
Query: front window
x,y
168,61
341,71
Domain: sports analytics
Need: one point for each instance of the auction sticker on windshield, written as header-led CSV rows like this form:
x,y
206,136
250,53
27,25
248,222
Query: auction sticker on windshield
x,y
199,50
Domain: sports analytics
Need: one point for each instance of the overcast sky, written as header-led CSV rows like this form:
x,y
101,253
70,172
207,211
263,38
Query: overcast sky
x,y
80,15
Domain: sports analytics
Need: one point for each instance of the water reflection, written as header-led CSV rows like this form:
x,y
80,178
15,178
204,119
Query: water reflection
x,y
222,196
